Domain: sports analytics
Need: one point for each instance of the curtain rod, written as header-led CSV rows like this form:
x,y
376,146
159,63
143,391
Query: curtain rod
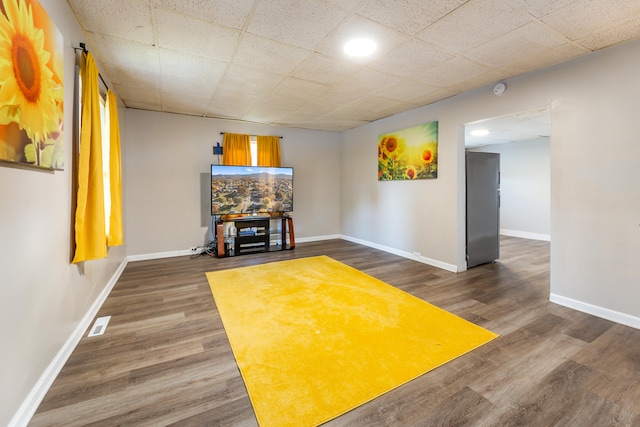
x,y
83,48
222,133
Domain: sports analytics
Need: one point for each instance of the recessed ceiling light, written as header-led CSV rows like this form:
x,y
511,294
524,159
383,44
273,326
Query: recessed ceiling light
x,y
360,47
480,132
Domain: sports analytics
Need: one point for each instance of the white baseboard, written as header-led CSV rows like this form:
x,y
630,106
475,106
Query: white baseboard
x,y
435,263
525,235
39,390
424,260
158,255
317,238
185,252
604,313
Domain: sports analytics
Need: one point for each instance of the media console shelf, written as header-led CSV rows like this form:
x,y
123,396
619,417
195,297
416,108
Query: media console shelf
x,y
252,234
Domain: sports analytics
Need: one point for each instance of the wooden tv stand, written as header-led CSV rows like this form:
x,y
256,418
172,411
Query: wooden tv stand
x,y
252,235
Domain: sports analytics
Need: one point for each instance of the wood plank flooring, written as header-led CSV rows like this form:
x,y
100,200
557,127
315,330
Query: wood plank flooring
x,y
165,358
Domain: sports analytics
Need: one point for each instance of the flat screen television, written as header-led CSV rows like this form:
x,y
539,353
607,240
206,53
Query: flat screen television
x,y
251,190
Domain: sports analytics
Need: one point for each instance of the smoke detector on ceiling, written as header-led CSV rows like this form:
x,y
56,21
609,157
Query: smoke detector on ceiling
x,y
499,89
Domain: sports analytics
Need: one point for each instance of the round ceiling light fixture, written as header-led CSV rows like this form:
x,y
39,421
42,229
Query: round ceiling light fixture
x,y
360,47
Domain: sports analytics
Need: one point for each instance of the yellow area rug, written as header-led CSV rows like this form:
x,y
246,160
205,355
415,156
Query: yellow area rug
x,y
315,338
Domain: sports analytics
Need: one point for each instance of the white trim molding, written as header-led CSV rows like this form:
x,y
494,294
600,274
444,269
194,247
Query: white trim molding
x,y
416,257
39,390
604,313
525,235
158,255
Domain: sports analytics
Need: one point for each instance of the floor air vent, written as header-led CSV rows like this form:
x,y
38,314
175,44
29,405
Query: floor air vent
x,y
99,326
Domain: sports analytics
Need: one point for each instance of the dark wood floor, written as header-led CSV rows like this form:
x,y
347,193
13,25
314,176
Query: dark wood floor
x,y
165,358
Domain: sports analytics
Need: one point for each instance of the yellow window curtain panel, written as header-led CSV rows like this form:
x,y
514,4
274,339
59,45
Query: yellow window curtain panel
x,y
91,239
115,237
236,149
268,150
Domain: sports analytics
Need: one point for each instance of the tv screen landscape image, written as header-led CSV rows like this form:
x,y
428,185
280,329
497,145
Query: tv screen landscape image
x,y
251,189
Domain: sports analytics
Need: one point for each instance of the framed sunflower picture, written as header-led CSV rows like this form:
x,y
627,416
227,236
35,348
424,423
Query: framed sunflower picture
x,y
31,86
410,153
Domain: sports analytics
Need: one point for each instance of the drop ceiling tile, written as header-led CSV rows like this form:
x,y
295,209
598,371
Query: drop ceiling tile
x,y
241,79
407,17
359,114
138,94
546,58
612,35
183,66
225,111
297,118
373,104
127,54
435,96
131,77
349,5
236,99
540,8
473,24
307,22
406,90
585,17
335,124
185,34
367,80
230,13
299,89
411,59
187,87
180,103
452,72
358,27
141,105
277,105
268,55
317,108
265,113
338,96
126,19
189,74
516,46
320,69
473,82
398,108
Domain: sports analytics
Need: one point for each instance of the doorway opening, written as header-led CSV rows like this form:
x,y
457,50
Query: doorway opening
x,y
523,142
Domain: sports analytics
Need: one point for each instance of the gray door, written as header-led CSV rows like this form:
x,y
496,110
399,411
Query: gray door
x,y
483,207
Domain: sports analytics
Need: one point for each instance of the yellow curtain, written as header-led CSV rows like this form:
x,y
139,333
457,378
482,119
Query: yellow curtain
x,y
91,239
268,150
115,219
236,149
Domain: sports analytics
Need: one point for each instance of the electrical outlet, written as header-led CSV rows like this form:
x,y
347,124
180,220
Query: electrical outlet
x,y
194,249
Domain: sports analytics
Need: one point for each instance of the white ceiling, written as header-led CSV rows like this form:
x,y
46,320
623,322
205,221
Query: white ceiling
x,y
281,61
522,126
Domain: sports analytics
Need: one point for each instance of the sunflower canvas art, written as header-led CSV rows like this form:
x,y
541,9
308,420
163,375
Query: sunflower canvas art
x,y
408,154
31,86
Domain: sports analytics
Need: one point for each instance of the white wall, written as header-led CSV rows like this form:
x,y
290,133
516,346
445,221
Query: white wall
x,y
525,197
168,156
43,297
595,179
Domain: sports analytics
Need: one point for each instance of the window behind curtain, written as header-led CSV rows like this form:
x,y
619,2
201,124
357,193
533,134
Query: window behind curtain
x,y
253,140
106,138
